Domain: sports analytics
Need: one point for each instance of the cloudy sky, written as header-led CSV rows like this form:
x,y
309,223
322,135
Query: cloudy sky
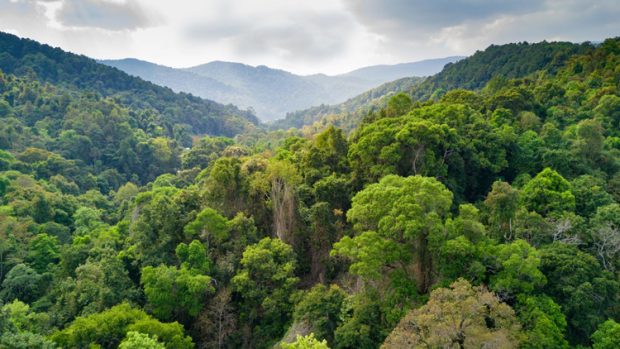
x,y
329,36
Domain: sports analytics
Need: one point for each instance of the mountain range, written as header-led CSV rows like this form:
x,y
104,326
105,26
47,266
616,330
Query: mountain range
x,y
499,62
272,93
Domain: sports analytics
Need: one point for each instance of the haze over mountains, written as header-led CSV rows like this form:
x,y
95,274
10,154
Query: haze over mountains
x,y
272,93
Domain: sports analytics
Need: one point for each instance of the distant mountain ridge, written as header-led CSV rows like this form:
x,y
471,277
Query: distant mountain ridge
x,y
25,57
273,93
386,73
515,60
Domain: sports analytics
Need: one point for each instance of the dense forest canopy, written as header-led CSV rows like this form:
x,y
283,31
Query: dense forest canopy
x,y
479,214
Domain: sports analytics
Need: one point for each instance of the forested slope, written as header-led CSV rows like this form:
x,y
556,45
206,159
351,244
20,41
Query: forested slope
x,y
484,218
28,58
474,72
346,115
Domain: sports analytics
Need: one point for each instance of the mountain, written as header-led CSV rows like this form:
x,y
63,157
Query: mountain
x,y
95,126
24,57
473,218
347,114
502,62
272,92
385,73
177,80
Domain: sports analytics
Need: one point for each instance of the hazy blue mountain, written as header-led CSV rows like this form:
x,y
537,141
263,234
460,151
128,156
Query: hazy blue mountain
x,y
273,93
175,79
385,73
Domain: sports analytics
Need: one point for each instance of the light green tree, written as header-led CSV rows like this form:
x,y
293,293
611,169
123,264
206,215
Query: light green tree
x,y
137,340
397,220
607,336
306,342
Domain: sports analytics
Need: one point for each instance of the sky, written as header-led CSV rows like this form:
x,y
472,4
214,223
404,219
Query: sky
x,y
305,37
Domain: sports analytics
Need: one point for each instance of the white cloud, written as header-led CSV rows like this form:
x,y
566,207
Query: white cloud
x,y
104,14
306,37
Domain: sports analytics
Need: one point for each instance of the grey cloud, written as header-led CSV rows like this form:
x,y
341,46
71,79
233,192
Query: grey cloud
x,y
105,14
411,17
463,26
22,17
308,37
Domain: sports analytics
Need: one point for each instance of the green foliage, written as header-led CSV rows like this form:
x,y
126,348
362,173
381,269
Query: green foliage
x,y
23,283
25,340
56,66
208,225
265,284
396,218
320,309
205,151
575,281
519,270
137,340
102,206
548,193
43,251
543,322
607,336
108,328
306,342
179,292
362,326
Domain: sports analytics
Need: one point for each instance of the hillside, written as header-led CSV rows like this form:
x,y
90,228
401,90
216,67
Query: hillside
x,y
501,61
95,126
486,218
346,115
272,92
24,57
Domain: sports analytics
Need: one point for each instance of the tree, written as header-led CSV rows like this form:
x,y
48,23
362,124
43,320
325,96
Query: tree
x,y
158,225
502,203
178,292
209,226
108,328
461,316
217,322
396,218
284,179
225,188
543,322
589,194
590,139
43,251
398,105
518,270
137,340
193,257
264,284
320,309
205,151
548,193
607,336
605,235
100,284
363,324
25,340
23,283
305,342
576,281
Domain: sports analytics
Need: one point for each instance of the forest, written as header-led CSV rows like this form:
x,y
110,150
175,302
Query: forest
x,y
478,208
